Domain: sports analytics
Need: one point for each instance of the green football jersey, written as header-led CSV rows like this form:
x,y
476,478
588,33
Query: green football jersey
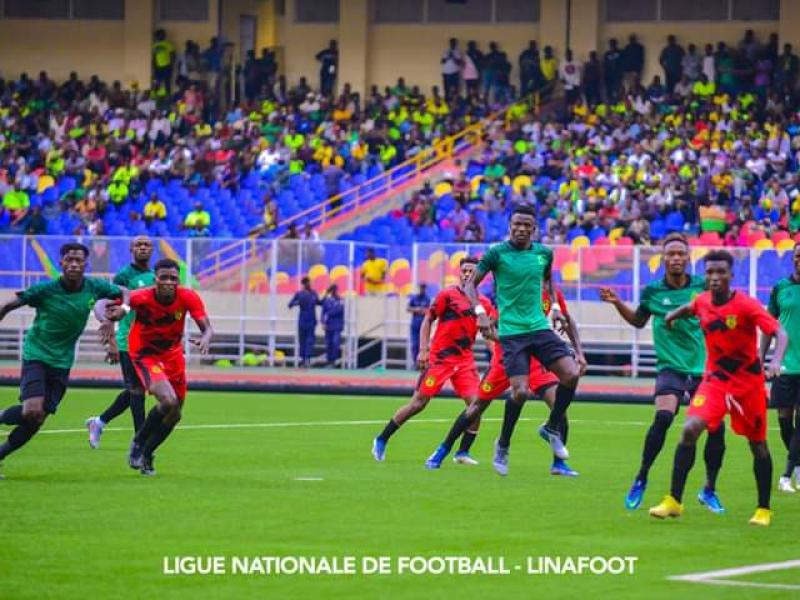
x,y
518,280
61,317
784,305
133,278
681,348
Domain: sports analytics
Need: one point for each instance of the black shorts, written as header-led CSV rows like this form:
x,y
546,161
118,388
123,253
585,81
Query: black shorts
x,y
545,346
785,392
674,383
129,375
41,380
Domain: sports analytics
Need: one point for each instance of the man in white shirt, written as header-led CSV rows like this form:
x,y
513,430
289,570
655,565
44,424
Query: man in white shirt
x,y
452,60
570,74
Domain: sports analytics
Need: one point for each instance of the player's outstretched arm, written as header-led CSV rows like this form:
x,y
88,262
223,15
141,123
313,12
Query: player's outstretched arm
x,y
6,308
575,340
485,323
766,342
424,342
626,312
203,343
684,312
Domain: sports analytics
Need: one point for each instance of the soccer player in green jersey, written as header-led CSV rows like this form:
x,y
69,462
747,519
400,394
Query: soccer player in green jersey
x,y
62,310
680,362
784,304
521,267
134,276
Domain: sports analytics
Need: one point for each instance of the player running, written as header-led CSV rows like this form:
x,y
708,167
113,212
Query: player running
x,y
733,382
680,358
156,349
62,310
784,304
542,385
449,358
136,275
521,270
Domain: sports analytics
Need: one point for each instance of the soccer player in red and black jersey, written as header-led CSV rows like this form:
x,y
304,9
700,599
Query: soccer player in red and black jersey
x,y
733,382
156,350
449,358
542,383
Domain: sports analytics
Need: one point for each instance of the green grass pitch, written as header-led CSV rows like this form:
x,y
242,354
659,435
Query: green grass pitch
x,y
293,476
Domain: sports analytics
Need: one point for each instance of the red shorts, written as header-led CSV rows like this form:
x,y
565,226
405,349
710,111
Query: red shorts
x,y
463,377
170,366
495,382
747,408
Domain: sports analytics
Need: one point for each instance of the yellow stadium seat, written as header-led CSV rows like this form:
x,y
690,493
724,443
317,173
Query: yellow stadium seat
x,y
317,270
784,245
436,259
398,265
521,181
475,183
616,234
442,188
654,263
455,258
580,242
765,244
570,271
339,271
45,181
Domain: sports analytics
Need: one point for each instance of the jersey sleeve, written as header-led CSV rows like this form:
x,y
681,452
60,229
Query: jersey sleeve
x,y
194,304
34,295
773,307
105,289
548,255
764,321
439,305
643,310
121,279
488,261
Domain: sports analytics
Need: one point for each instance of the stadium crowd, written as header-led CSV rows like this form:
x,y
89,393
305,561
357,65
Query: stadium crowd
x,y
711,148
92,158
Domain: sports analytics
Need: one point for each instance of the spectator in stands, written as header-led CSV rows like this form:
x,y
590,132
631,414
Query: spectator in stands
x,y
373,273
472,78
549,67
35,224
786,69
750,45
16,203
709,67
117,192
570,75
307,300
163,61
632,63
671,60
328,68
418,305
333,324
155,210
530,73
271,215
692,63
613,70
199,218
592,78
490,69
451,64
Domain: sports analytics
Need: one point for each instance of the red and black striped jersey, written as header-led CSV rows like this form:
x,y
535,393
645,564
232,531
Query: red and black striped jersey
x,y
457,325
158,328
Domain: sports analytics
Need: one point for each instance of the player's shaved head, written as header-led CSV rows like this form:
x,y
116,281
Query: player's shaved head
x,y
141,249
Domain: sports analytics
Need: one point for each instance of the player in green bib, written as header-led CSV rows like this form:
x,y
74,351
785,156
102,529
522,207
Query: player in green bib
x,y
62,310
134,276
784,305
680,361
521,267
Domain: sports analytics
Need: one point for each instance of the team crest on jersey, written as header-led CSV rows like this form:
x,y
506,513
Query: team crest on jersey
x,y
694,296
698,400
155,370
178,315
730,321
430,381
91,303
546,305
486,387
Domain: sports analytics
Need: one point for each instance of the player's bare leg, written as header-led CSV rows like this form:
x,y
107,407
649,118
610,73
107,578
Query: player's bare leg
x,y
513,408
415,406
568,372
789,420
160,422
28,418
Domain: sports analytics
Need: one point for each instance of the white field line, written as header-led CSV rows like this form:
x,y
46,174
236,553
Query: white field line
x,y
718,577
327,424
